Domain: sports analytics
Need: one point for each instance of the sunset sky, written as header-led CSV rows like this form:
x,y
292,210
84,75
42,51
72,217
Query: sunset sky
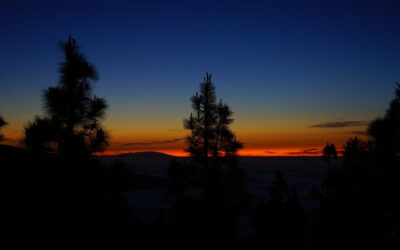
x,y
296,74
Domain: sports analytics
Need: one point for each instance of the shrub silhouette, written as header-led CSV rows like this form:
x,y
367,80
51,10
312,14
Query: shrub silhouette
x,y
2,124
329,153
73,114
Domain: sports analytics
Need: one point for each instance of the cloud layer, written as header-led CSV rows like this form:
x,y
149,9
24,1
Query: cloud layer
x,y
339,124
307,151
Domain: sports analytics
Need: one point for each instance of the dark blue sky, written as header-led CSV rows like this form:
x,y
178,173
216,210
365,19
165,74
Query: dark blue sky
x,y
292,62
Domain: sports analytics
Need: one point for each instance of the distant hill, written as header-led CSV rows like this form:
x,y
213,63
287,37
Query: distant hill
x,y
9,148
145,154
145,163
11,153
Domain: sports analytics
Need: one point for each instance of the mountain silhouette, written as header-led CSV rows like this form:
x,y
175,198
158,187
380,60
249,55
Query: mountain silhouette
x,y
146,154
6,149
142,163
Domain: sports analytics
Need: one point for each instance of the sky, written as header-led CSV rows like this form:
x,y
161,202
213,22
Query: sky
x,y
297,74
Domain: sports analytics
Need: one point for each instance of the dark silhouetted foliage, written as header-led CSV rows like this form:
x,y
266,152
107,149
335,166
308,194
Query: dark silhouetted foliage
x,y
209,125
53,194
359,208
280,223
2,124
180,179
207,191
72,123
385,130
329,153
49,205
355,153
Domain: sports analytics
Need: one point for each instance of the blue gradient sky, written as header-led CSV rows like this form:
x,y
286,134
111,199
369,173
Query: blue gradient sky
x,y
281,67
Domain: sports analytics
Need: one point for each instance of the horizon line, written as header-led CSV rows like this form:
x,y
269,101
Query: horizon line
x,y
262,152
290,152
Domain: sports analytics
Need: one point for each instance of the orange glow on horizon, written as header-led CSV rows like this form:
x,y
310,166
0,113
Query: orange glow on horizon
x,y
178,153
247,152
279,139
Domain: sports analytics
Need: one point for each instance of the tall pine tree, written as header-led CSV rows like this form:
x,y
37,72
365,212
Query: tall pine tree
x,y
208,124
71,125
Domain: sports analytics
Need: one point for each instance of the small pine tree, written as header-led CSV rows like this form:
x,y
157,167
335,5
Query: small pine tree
x,y
2,124
329,153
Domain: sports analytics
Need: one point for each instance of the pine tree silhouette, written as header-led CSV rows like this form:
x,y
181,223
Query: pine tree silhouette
x,y
385,130
209,125
215,172
71,125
